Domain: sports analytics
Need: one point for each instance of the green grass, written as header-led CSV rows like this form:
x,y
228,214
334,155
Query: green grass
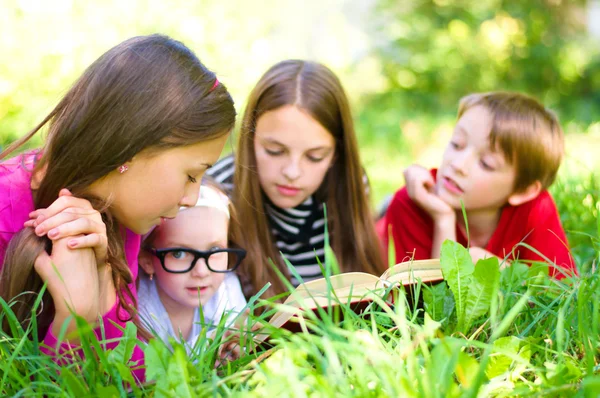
x,y
527,336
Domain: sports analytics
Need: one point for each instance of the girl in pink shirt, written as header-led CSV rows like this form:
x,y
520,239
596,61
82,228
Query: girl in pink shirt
x,y
126,148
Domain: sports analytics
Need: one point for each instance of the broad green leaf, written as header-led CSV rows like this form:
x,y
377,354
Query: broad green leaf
x,y
179,380
73,384
156,356
433,300
430,326
499,362
536,268
107,391
514,275
123,351
466,369
481,290
457,268
442,364
591,386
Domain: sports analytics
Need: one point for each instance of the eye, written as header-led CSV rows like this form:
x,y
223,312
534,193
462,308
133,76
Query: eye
x,y
454,145
192,179
486,165
315,159
178,255
274,152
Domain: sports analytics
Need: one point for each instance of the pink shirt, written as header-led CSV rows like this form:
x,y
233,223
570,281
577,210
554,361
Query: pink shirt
x,y
16,202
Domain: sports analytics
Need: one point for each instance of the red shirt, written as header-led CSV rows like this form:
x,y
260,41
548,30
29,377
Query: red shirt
x,y
535,223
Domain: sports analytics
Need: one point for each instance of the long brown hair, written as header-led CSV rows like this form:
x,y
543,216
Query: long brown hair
x,y
147,92
315,89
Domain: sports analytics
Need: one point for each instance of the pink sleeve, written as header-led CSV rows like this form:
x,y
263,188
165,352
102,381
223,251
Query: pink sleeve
x,y
112,325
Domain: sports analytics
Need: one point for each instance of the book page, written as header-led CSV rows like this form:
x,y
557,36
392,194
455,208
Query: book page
x,y
409,272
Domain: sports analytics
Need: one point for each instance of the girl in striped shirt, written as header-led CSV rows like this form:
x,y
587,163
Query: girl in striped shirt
x,y
298,152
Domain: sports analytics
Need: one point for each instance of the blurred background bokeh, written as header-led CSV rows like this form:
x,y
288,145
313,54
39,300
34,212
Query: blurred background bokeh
x,y
404,63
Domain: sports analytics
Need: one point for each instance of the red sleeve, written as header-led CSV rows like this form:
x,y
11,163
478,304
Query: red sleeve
x,y
548,236
411,227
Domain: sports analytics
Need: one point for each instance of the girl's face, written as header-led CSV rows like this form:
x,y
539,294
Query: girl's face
x,y
293,154
156,184
198,228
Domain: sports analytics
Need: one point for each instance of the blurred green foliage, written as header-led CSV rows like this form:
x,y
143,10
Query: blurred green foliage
x,y
435,51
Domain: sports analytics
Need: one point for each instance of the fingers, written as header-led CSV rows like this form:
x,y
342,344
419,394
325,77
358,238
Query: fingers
x,y
230,350
429,183
75,219
71,221
418,180
98,242
63,202
64,192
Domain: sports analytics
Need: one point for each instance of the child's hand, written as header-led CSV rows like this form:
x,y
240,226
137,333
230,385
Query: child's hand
x,y
420,187
231,348
235,339
75,283
74,218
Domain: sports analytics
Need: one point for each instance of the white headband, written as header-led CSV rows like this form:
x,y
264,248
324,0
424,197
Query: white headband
x,y
210,197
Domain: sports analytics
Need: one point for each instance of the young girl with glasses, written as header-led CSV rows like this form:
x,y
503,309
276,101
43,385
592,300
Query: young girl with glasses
x,y
188,264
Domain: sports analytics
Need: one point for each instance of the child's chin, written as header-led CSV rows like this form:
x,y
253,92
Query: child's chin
x,y
452,200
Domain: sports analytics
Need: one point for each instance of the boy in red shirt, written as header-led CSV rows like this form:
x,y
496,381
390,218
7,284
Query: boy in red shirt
x,y
503,155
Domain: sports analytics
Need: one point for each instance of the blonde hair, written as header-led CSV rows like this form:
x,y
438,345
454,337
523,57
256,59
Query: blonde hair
x,y
526,132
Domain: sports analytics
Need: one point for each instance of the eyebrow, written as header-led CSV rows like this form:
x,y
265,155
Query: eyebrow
x,y
203,166
274,141
179,245
462,129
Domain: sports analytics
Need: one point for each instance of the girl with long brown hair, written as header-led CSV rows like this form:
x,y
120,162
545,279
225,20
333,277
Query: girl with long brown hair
x,y
126,148
298,152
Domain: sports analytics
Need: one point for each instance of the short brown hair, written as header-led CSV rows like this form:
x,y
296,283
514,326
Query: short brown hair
x,y
526,132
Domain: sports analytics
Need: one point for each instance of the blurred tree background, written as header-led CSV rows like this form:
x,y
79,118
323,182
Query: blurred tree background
x,y
404,63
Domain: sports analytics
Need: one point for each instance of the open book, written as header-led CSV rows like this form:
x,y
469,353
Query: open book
x,y
354,288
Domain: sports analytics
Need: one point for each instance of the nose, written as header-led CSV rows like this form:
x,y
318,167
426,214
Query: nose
x,y
201,269
291,170
190,196
462,161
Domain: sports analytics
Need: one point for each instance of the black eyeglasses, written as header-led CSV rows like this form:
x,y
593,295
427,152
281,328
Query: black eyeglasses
x,y
178,260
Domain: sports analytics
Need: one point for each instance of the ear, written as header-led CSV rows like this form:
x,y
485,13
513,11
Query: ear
x,y
529,193
145,261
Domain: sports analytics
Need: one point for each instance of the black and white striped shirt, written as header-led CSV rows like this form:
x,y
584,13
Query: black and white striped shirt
x,y
299,233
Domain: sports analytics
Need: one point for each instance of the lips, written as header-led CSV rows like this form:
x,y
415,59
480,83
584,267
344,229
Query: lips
x,y
287,190
164,219
452,186
194,290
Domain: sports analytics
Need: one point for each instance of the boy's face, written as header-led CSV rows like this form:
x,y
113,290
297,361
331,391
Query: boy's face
x,y
473,171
